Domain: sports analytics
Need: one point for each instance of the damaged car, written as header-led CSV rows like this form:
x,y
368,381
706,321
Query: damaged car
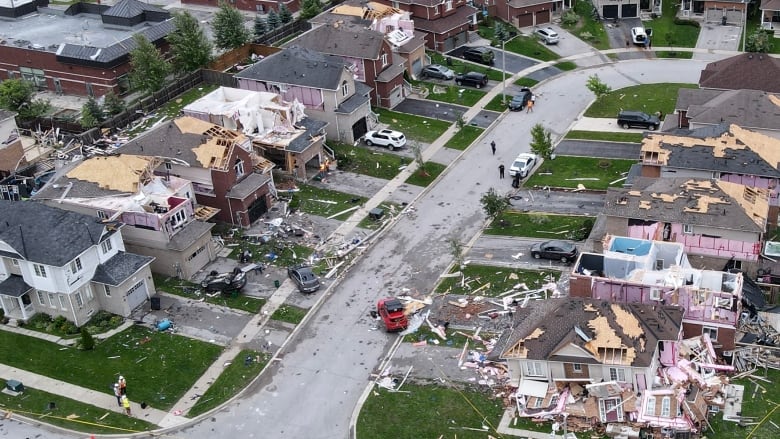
x,y
224,282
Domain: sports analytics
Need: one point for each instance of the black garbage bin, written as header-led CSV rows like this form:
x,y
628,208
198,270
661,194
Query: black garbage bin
x,y
723,20
155,301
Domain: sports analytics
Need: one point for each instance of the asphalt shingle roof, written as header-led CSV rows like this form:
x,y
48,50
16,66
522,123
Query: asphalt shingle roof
x,y
746,108
130,8
14,286
750,71
462,16
346,39
113,53
120,267
313,128
361,96
47,235
298,66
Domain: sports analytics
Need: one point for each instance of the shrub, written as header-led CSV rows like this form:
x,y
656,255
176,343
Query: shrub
x,y
570,18
538,218
686,22
87,342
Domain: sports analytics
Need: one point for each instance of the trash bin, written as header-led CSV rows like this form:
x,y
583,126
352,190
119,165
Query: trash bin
x,y
155,301
723,20
277,284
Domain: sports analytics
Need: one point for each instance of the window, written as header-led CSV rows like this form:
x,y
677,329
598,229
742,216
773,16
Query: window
x,y
107,290
178,218
616,374
52,300
688,229
79,300
650,407
436,10
666,404
344,88
534,369
35,76
239,167
712,332
106,246
196,253
90,92
577,367
168,166
384,59
40,270
448,5
395,4
260,8
102,214
63,304
656,294
41,298
75,266
88,293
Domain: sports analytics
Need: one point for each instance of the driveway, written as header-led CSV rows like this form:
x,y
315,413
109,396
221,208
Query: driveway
x,y
606,150
444,111
569,45
717,37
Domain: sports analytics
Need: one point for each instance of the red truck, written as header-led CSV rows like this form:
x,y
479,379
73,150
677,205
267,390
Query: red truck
x,y
392,312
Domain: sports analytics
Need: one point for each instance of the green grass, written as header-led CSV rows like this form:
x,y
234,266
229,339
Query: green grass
x,y
566,65
526,82
561,171
372,224
459,66
324,202
668,34
677,55
432,170
34,404
464,137
362,160
541,225
647,97
607,136
454,339
497,103
422,129
159,366
289,314
233,379
501,279
193,291
757,405
530,47
587,29
428,412
453,95
173,107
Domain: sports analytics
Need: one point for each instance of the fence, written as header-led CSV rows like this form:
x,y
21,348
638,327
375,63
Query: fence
x,y
285,31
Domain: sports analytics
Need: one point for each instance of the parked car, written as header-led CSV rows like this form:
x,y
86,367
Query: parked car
x,y
482,55
437,71
391,310
224,282
474,79
548,35
557,250
520,100
638,35
304,278
638,119
389,138
522,165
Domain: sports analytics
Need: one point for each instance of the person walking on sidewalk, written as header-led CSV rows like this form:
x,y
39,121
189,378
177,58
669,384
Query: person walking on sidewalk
x,y
122,385
501,171
126,405
118,394
493,147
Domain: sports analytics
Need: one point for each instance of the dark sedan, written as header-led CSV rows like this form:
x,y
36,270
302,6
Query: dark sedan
x,y
304,278
520,100
556,250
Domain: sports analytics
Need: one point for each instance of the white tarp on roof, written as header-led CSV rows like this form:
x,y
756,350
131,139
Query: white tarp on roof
x,y
532,388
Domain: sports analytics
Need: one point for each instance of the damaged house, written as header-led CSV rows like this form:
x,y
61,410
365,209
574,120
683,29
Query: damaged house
x,y
658,273
225,172
755,110
160,214
557,348
279,130
716,221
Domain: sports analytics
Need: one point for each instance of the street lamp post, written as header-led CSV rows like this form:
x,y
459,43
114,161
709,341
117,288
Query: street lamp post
x,y
503,70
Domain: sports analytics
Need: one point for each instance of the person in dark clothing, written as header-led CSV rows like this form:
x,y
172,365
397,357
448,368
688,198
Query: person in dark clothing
x,y
493,147
501,171
516,181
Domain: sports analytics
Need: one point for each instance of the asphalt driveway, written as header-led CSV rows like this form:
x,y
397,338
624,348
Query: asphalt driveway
x,y
606,150
444,111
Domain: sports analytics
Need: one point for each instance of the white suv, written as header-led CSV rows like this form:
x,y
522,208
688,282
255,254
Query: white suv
x,y
523,164
548,35
389,138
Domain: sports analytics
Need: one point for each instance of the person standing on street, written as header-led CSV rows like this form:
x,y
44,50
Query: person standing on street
x,y
530,106
493,147
118,394
126,405
501,171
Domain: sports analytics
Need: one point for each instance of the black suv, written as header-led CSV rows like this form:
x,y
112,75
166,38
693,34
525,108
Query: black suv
x,y
474,79
637,119
482,55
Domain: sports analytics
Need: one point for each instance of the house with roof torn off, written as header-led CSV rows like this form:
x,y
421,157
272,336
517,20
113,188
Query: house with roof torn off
x,y
716,221
160,214
68,264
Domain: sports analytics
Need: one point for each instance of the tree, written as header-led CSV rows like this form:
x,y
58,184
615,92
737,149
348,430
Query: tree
x,y
149,68
113,104
190,49
310,9
87,341
91,114
14,93
494,204
229,30
541,141
418,157
273,20
456,248
598,87
759,42
284,14
261,26
500,32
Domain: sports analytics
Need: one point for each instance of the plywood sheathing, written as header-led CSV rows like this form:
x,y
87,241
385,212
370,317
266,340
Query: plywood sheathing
x,y
627,321
754,201
124,173
213,153
606,345
519,350
768,148
190,125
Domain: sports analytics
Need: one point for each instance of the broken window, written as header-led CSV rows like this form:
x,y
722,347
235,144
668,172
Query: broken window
x,y
712,332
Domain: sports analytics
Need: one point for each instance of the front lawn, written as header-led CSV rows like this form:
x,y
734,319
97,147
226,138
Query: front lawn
x,y
667,33
649,98
497,103
530,47
191,290
159,366
541,225
501,279
431,411
566,65
454,339
361,159
420,178
324,202
526,82
289,314
569,171
587,28
454,94
762,405
422,129
607,136
464,137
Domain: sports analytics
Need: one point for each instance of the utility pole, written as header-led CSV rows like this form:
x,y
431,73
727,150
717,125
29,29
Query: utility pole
x,y
503,69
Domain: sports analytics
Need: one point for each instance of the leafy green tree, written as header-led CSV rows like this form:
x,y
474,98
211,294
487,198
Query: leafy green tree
x,y
273,20
87,341
493,203
113,104
260,26
284,14
149,68
15,93
759,41
229,30
310,9
541,141
190,49
500,32
91,114
598,87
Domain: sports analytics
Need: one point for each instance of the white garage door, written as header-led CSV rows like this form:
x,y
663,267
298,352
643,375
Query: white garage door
x,y
136,295
713,15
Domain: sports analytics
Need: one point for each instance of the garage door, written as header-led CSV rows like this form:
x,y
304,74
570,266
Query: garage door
x,y
417,66
525,20
609,11
359,128
257,209
542,17
713,15
734,16
136,295
629,11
